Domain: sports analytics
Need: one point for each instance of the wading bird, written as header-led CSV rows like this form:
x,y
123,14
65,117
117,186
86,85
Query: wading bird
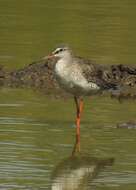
x,y
78,77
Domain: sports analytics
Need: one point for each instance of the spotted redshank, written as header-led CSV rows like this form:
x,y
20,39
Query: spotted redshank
x,y
78,77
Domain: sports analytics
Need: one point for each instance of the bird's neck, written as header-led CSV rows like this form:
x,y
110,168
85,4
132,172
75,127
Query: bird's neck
x,y
66,59
62,64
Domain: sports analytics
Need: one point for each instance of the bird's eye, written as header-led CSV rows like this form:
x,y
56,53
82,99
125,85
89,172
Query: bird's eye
x,y
60,50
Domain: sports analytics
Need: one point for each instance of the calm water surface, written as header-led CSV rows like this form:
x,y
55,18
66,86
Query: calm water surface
x,y
37,133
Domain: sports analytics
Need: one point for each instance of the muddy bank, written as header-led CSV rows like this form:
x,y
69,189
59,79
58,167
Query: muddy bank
x,y
39,75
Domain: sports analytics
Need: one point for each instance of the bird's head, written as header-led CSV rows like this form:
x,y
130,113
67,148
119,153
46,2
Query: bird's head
x,y
60,52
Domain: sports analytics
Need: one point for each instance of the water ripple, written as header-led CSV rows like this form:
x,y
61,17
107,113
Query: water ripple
x,y
19,121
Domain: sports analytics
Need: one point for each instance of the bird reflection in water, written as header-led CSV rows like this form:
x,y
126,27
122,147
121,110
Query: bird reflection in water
x,y
76,172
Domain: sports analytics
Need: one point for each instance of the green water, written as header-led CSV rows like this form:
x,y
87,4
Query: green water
x,y
37,132
101,30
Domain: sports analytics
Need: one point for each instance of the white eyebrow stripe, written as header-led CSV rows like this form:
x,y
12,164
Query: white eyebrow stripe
x,y
58,49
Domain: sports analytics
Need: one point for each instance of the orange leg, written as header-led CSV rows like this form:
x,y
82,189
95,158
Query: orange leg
x,y
79,107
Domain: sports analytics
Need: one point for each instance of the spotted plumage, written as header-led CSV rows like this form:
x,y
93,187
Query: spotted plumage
x,y
76,75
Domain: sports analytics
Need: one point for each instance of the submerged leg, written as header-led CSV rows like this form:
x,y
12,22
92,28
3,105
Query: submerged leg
x,y
79,108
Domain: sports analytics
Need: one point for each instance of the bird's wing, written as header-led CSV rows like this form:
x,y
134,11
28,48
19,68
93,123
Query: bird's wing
x,y
95,73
